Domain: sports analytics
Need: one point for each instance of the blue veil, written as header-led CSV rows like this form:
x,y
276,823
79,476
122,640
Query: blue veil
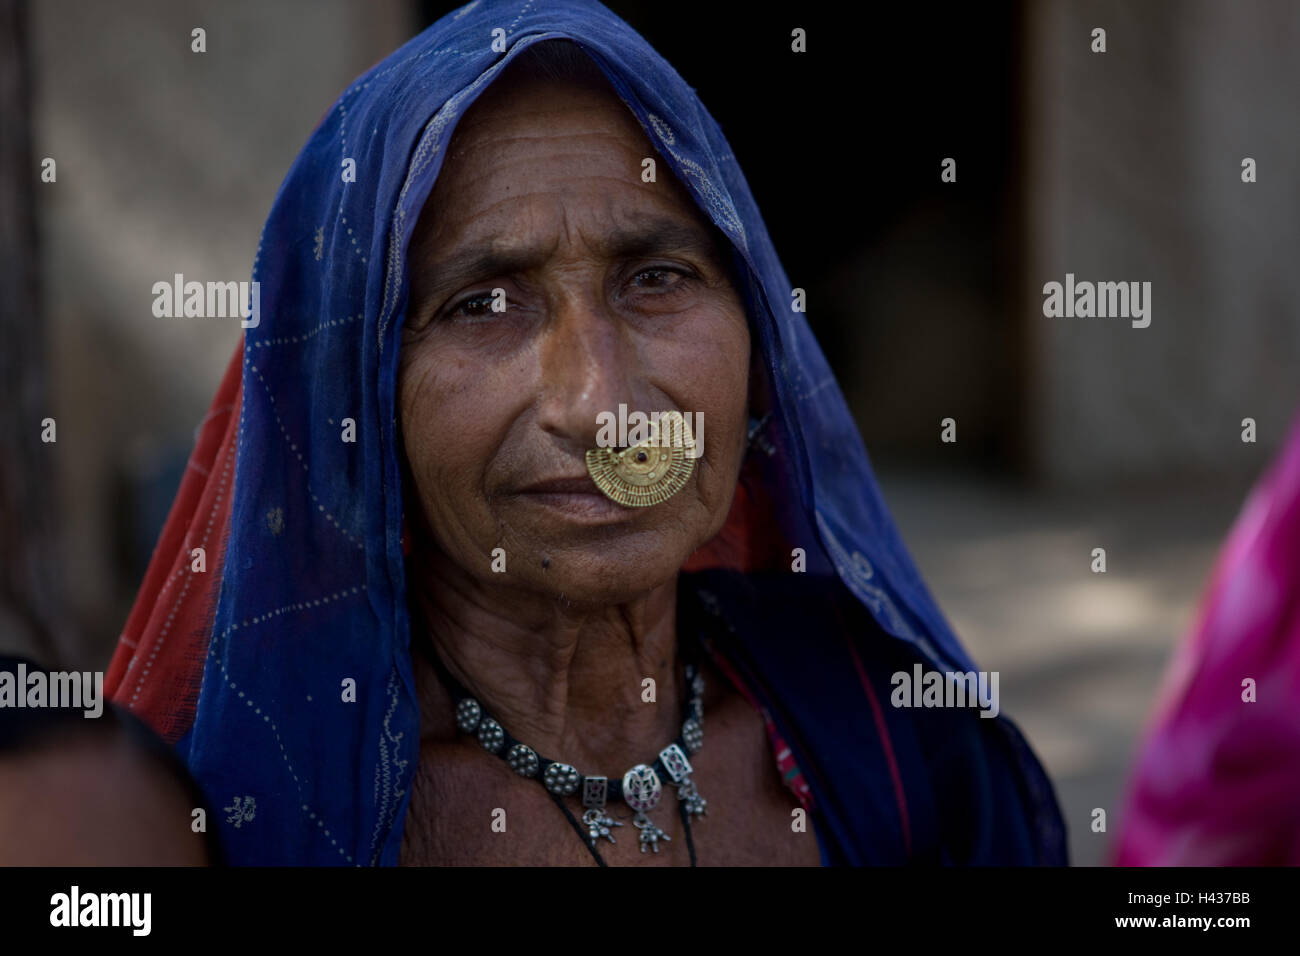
x,y
306,731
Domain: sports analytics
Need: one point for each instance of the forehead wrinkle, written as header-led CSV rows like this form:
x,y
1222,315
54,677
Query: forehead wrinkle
x,y
565,178
676,202
489,124
625,147
659,222
591,146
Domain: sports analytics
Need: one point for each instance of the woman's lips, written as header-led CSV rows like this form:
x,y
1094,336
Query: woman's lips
x,y
575,497
577,484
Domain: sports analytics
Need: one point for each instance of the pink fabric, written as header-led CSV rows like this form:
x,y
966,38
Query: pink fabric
x,y
1218,779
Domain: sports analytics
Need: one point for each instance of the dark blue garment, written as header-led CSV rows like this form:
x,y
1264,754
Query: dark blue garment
x,y
961,796
314,595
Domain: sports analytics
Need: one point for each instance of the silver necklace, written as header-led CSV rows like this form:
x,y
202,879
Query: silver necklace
x,y
641,787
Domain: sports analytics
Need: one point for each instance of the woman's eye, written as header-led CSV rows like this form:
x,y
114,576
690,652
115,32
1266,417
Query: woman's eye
x,y
474,307
658,277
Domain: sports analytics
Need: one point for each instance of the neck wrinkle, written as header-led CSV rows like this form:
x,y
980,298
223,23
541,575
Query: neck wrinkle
x,y
567,682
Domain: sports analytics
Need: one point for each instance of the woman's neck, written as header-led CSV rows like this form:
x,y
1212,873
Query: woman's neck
x,y
571,682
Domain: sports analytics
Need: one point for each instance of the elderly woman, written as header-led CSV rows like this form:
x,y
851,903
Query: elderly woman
x,y
446,616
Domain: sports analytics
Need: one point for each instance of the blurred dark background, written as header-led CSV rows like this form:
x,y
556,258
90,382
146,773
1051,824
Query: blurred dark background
x,y
926,296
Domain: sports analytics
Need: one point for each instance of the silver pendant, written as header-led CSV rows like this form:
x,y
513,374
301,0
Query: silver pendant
x,y
468,715
523,760
696,805
651,833
680,769
562,779
675,762
490,735
642,790
598,823
693,734
593,791
597,820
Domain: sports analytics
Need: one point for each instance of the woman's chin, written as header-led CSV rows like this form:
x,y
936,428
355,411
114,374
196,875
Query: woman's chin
x,y
602,581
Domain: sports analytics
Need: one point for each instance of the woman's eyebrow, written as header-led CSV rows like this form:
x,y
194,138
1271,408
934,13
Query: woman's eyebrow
x,y
658,236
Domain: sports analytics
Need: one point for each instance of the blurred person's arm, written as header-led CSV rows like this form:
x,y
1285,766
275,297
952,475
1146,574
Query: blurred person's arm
x,y
94,801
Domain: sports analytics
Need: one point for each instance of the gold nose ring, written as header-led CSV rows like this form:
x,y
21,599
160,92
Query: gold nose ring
x,y
649,472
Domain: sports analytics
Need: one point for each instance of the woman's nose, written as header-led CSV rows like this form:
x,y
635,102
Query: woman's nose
x,y
588,366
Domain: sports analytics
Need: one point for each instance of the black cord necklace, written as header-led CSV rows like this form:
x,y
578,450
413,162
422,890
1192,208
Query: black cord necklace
x,y
641,787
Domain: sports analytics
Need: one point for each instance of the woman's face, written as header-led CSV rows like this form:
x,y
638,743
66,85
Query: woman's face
x,y
615,293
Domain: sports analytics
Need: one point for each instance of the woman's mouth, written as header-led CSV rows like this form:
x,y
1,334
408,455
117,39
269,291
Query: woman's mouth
x,y
576,497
